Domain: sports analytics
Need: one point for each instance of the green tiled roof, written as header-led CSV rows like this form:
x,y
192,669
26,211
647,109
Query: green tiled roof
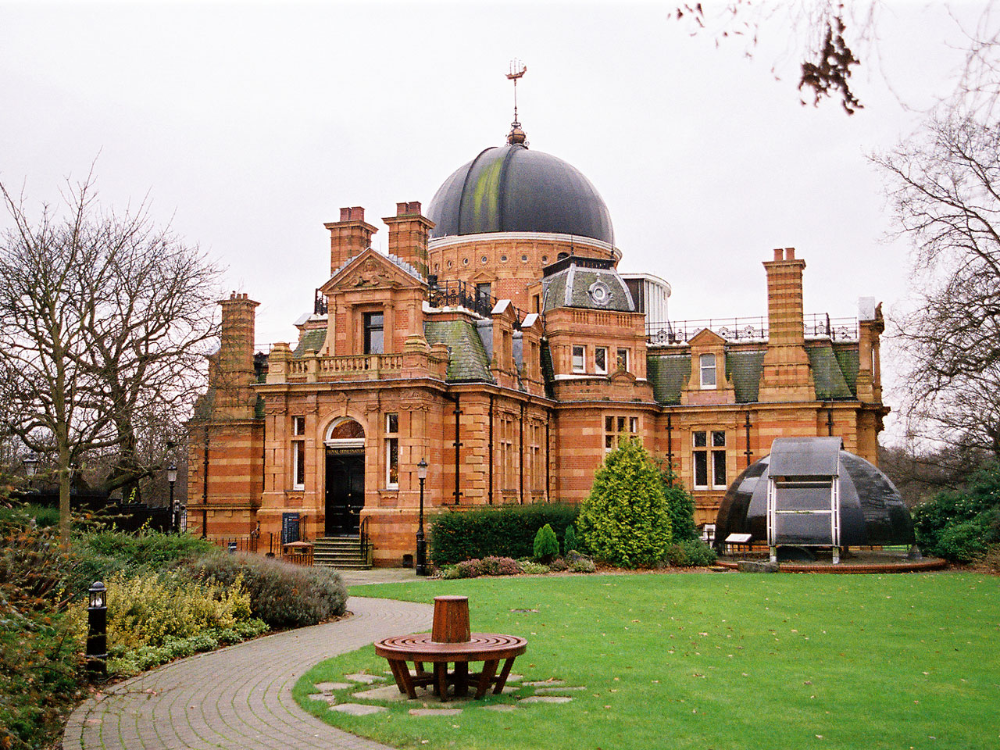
x,y
311,339
829,379
668,374
849,366
467,358
743,368
572,288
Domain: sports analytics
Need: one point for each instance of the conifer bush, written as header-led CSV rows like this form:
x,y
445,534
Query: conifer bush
x,y
626,520
546,545
680,505
569,540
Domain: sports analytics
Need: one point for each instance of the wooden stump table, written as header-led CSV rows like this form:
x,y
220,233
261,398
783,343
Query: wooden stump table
x,y
451,642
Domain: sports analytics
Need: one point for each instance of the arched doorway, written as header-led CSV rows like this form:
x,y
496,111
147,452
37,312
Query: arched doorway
x,y
345,477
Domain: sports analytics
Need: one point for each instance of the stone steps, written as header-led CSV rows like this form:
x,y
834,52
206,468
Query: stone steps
x,y
342,553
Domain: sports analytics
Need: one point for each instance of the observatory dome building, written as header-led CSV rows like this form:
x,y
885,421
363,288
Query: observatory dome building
x,y
497,341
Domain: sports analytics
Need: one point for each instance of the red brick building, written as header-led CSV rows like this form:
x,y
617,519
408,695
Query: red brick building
x,y
497,341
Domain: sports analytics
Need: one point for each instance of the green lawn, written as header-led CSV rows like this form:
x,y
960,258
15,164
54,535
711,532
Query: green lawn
x,y
719,661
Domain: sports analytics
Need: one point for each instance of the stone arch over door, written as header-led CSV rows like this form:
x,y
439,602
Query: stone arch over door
x,y
345,477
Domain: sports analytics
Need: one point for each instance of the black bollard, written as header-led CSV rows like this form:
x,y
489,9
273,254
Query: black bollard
x,y
97,630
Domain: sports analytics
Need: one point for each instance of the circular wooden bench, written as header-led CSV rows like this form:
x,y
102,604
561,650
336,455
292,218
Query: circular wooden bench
x,y
451,621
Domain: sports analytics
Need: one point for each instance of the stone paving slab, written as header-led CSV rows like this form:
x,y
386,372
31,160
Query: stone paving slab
x,y
546,699
238,697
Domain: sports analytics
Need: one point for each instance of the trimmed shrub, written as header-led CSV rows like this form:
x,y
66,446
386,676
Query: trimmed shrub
x,y
546,545
582,565
147,548
282,595
569,540
558,565
498,566
625,520
505,531
690,553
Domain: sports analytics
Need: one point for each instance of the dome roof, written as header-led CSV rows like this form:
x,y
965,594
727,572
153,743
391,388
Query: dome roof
x,y
871,509
511,189
589,283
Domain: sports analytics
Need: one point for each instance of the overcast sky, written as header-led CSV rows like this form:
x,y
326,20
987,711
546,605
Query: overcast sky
x,y
249,125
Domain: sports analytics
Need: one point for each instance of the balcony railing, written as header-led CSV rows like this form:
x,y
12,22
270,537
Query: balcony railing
x,y
815,325
351,364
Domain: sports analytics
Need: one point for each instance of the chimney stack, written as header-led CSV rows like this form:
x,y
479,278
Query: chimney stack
x,y
348,237
787,376
408,234
234,371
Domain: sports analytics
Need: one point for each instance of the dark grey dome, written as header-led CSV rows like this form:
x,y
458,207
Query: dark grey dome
x,y
871,509
512,189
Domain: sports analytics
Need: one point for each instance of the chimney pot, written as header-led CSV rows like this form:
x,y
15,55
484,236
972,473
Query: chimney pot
x,y
778,253
789,253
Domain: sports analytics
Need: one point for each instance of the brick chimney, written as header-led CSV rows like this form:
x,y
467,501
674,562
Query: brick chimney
x,y
408,232
348,237
233,373
787,376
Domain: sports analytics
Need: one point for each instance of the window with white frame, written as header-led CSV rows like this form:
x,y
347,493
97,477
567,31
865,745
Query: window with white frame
x,y
298,453
601,360
392,451
707,365
616,427
709,460
579,360
719,459
623,358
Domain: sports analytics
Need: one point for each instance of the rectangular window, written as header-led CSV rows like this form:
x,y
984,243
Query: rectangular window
x,y
579,364
298,426
623,360
719,459
392,451
617,426
601,360
374,340
299,464
707,363
700,459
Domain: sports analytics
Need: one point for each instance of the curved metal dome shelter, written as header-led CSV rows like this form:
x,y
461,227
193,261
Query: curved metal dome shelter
x,y
811,492
511,189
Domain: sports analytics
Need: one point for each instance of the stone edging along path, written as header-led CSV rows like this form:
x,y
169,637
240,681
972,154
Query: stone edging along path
x,y
238,697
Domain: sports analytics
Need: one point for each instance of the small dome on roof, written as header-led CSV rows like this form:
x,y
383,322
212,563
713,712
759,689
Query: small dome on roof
x,y
513,189
590,283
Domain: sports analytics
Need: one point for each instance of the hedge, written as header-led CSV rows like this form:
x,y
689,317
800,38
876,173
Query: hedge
x,y
505,531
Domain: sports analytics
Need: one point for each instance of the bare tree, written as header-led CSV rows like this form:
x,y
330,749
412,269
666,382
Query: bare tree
x,y
104,317
826,36
943,186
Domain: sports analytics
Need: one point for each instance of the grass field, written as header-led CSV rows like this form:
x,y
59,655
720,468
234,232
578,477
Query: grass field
x,y
719,661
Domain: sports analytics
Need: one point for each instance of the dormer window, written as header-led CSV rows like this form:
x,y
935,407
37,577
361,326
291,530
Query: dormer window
x,y
707,366
374,333
601,360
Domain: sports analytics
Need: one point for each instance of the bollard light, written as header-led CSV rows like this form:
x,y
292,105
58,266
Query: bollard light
x,y
31,465
421,568
97,629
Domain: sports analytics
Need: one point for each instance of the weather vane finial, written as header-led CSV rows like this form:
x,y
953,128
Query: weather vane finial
x,y
516,72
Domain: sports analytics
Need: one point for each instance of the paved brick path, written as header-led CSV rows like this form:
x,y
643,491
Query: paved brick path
x,y
239,697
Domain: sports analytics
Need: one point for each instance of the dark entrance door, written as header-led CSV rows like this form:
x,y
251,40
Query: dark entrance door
x,y
345,493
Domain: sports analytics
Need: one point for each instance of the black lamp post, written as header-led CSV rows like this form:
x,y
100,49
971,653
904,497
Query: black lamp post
x,y
171,478
31,466
421,542
97,629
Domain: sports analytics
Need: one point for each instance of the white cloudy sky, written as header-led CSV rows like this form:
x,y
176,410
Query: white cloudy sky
x,y
250,125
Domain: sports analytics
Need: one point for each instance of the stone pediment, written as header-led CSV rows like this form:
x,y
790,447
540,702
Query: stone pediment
x,y
706,339
371,270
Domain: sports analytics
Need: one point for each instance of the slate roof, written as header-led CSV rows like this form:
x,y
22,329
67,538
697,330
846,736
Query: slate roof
x,y
827,374
667,374
744,368
467,358
834,373
573,286
310,339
